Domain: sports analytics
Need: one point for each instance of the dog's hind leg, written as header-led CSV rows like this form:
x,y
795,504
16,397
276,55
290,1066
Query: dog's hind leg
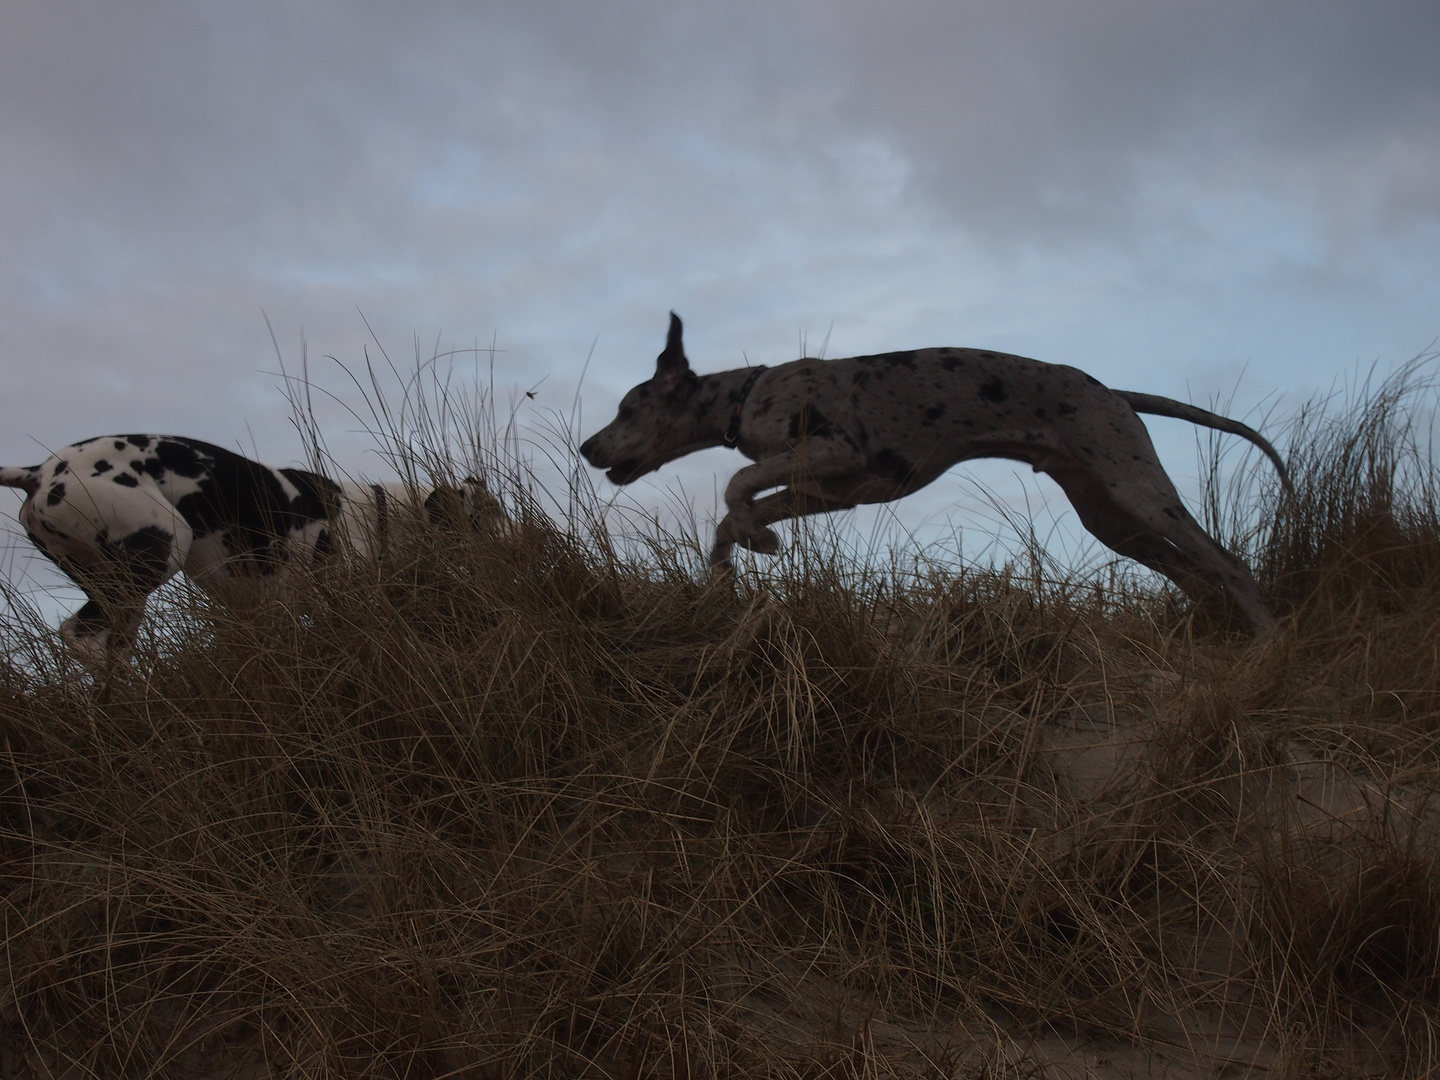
x,y
1145,520
119,543
118,577
99,630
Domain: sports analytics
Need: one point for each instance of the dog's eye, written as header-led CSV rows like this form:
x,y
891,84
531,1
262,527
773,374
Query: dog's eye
x,y
625,413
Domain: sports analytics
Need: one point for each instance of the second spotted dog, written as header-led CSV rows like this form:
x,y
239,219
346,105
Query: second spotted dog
x,y
122,514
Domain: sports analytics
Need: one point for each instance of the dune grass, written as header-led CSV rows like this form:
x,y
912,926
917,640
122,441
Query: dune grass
x,y
521,803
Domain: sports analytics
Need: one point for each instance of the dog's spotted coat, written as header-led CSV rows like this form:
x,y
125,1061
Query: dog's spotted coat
x,y
830,435
122,514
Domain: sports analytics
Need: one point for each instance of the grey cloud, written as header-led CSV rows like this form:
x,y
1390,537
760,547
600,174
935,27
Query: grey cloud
x,y
230,130
592,165
327,138
1037,117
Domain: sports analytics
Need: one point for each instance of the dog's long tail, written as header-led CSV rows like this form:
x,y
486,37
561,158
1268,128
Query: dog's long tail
x,y
1155,405
26,477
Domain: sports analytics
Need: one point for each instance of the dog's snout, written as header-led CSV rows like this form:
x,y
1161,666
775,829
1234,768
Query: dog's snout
x,y
587,450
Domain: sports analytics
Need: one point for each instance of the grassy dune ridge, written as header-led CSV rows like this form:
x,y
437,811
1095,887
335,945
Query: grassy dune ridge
x,y
518,803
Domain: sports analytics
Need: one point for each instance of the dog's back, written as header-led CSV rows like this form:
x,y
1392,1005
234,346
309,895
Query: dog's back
x,y
914,414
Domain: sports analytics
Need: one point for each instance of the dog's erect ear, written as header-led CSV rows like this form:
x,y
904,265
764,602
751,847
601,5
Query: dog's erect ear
x,y
672,370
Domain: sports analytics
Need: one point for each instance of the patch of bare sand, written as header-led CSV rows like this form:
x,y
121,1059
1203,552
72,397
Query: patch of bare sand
x,y
1099,760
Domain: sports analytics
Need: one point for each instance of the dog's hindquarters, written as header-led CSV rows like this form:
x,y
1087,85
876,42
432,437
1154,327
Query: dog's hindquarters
x,y
118,543
122,514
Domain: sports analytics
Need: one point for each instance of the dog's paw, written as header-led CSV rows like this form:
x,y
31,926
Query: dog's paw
x,y
722,572
720,556
765,542
741,528
92,649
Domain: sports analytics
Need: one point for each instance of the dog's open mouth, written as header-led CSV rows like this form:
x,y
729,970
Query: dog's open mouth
x,y
627,471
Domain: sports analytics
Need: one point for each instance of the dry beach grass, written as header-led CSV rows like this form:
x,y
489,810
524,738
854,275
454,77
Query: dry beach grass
x,y
518,803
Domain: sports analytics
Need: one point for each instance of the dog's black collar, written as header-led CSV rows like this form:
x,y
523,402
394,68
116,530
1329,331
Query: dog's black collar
x,y
732,432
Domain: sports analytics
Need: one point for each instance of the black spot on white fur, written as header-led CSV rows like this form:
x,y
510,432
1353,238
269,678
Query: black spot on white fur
x,y
144,557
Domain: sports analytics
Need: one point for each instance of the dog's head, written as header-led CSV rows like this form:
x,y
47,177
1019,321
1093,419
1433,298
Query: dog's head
x,y
468,503
657,420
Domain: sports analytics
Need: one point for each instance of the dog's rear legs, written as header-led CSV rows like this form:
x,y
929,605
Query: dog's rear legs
x,y
1160,533
119,543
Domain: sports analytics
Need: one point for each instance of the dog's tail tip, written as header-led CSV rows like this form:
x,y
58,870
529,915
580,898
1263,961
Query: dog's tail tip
x,y
1285,481
25,477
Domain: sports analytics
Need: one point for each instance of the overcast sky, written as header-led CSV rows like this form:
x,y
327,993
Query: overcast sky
x,y
1166,194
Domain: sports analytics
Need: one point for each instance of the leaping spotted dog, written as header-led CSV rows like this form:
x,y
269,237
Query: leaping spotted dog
x,y
122,514
832,434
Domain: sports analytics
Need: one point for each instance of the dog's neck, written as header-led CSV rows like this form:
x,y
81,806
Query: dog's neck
x,y
718,399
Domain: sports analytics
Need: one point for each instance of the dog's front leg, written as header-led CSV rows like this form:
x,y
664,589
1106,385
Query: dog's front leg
x,y
807,467
99,633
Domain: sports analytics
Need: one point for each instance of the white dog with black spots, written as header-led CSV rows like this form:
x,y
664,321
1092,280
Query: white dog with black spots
x,y
122,514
